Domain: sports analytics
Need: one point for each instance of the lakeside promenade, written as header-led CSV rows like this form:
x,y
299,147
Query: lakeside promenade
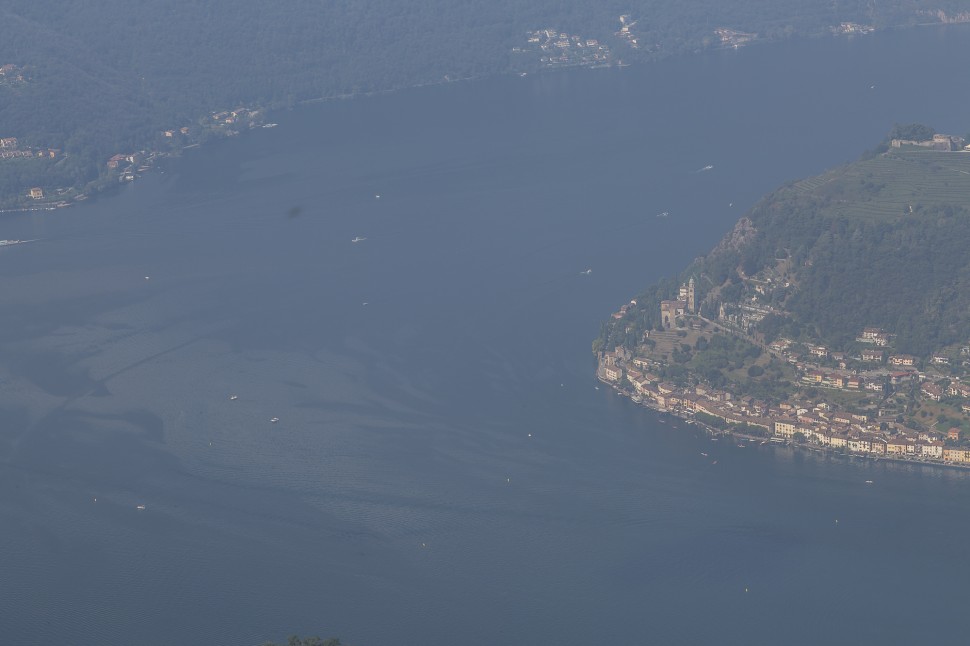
x,y
772,439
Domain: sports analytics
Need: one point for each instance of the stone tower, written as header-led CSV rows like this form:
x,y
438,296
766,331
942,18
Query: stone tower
x,y
686,294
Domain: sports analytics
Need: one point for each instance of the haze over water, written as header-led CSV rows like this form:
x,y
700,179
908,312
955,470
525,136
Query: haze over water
x,y
444,469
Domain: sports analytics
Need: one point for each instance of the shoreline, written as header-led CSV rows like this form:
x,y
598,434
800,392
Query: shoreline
x,y
774,440
277,107
27,209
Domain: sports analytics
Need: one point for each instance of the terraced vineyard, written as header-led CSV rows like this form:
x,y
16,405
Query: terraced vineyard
x,y
894,184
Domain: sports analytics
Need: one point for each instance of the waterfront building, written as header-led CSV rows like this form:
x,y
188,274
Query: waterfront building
x,y
613,373
956,455
932,449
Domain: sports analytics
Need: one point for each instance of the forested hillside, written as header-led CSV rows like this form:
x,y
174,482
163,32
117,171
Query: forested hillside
x,y
107,76
878,243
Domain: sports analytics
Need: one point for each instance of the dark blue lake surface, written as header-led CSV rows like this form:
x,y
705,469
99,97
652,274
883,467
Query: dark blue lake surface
x,y
444,469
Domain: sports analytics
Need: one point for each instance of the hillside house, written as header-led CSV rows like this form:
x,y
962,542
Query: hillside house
x,y
932,391
902,360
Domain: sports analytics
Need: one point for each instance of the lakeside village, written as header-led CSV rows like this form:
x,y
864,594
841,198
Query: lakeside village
x,y
223,123
128,166
861,403
559,49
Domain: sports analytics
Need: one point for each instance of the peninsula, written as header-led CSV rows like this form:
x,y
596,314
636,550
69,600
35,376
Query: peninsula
x,y
835,314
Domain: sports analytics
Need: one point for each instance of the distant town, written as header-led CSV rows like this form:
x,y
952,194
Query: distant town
x,y
558,49
554,48
842,401
708,360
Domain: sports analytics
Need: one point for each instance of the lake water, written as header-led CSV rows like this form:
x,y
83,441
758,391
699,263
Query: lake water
x,y
444,469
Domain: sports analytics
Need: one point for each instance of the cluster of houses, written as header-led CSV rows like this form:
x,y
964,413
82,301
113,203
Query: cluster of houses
x,y
816,423
561,49
625,32
11,74
11,148
733,38
901,367
852,28
184,130
230,117
128,165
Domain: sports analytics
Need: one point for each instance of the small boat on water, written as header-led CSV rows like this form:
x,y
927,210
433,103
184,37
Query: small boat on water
x,y
358,239
274,419
233,398
868,481
704,454
141,508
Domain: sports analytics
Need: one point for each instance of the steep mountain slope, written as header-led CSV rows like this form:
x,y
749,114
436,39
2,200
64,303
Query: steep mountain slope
x,y
877,243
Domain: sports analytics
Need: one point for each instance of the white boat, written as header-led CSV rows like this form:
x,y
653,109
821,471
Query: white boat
x,y
141,507
270,125
233,398
868,481
274,419
358,239
664,214
587,272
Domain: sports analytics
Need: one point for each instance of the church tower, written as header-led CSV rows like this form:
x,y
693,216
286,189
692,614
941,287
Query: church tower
x,y
690,297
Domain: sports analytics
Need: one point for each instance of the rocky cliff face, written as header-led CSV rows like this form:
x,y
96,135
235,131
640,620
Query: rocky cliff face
x,y
742,233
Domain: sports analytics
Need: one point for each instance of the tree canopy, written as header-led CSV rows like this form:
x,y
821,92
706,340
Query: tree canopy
x,y
108,76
